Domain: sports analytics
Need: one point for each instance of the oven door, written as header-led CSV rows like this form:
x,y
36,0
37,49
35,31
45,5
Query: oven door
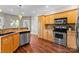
x,y
60,38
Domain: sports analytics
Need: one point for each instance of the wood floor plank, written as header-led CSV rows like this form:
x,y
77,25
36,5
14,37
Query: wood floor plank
x,y
41,46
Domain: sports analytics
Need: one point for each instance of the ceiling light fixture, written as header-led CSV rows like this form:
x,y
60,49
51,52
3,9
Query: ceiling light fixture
x,y
20,14
20,6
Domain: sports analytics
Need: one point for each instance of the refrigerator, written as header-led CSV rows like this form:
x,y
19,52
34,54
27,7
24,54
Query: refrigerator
x,y
77,30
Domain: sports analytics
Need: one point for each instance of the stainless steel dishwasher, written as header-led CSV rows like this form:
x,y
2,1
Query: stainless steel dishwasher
x,y
24,38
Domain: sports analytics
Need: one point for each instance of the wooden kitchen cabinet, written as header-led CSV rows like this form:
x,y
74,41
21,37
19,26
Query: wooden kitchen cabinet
x,y
49,19
50,35
60,15
49,31
43,31
41,26
72,15
71,39
9,43
45,34
15,41
6,44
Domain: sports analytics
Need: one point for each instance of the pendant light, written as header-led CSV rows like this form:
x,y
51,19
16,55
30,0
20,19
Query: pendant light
x,y
20,15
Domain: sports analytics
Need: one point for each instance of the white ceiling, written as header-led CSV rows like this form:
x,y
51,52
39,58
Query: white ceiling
x,y
30,10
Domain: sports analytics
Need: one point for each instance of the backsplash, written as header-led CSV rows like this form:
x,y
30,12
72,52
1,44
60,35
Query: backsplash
x,y
71,26
49,26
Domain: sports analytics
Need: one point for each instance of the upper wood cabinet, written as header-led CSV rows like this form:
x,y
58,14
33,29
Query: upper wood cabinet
x,y
71,15
60,15
50,19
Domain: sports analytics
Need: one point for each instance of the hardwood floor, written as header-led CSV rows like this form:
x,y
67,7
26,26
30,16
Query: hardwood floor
x,y
41,46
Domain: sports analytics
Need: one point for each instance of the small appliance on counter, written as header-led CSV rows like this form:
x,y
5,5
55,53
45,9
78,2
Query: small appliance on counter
x,y
60,31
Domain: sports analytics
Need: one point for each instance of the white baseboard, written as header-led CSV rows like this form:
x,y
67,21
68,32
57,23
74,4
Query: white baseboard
x,y
34,33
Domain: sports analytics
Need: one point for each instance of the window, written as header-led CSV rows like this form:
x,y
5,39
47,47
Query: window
x,y
14,23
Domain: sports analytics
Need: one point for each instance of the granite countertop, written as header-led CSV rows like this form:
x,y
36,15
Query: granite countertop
x,y
3,35
11,32
23,30
71,31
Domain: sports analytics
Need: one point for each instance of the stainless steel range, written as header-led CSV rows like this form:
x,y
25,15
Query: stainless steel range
x,y
60,38
60,31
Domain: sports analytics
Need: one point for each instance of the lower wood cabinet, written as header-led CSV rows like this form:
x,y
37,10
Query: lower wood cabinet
x,y
9,43
50,35
6,44
71,39
15,41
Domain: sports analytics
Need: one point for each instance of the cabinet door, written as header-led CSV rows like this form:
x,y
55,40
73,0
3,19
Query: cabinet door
x,y
50,35
61,15
71,40
40,27
6,44
50,19
72,16
43,27
15,41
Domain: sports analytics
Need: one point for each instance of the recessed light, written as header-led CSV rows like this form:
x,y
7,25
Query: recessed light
x,y
20,6
0,10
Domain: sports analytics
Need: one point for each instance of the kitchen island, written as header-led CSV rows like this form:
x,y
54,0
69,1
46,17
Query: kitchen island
x,y
11,40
